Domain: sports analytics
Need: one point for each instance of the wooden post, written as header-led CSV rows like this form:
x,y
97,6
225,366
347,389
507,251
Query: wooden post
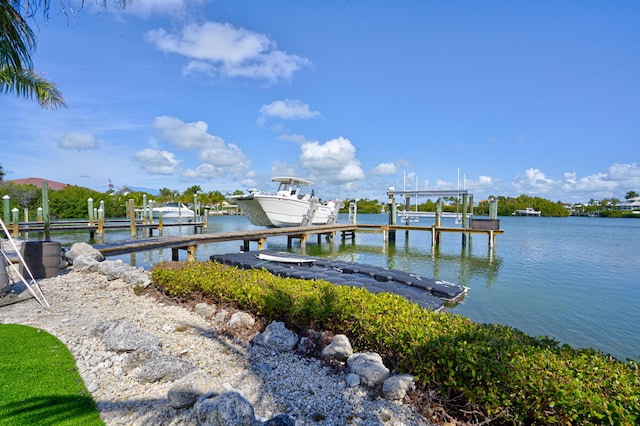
x,y
191,253
407,207
7,209
144,209
90,210
151,204
471,218
174,254
392,215
16,223
493,208
100,221
261,243
132,217
435,237
245,246
160,222
39,214
45,210
26,219
465,201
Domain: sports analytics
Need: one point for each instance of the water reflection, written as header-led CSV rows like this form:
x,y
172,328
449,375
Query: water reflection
x,y
464,267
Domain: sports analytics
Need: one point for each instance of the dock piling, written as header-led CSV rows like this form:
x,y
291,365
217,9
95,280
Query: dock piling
x,y
132,217
90,210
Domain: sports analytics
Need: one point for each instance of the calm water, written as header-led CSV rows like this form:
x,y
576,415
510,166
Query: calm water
x,y
575,279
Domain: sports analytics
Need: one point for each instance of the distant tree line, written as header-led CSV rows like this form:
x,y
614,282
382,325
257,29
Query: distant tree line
x,y
506,206
71,202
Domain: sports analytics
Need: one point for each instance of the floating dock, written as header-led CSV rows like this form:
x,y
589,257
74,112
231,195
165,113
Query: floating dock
x,y
427,292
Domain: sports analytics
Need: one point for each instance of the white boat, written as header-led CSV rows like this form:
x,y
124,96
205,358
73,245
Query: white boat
x,y
174,211
289,206
526,212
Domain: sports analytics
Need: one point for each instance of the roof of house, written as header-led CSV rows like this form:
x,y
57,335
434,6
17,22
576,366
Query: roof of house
x,y
37,182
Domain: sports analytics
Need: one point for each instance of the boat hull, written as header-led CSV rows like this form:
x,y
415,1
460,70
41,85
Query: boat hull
x,y
253,211
173,211
281,212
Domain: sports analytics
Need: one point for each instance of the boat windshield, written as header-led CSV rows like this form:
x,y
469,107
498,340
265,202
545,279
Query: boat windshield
x,y
288,187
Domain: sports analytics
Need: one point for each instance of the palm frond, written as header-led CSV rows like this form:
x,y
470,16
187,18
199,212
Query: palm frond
x,y
17,39
28,83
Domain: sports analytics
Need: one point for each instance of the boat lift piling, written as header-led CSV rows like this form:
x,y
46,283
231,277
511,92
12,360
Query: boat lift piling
x,y
468,225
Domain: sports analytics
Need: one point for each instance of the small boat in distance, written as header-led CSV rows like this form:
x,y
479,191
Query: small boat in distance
x,y
526,212
289,206
173,211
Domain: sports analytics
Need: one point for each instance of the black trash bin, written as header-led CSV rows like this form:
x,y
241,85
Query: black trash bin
x,y
42,257
4,277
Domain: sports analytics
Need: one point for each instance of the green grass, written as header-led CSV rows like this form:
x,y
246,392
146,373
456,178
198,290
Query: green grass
x,y
39,381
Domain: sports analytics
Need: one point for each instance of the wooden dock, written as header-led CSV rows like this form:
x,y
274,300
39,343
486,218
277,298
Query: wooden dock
x,y
96,228
303,233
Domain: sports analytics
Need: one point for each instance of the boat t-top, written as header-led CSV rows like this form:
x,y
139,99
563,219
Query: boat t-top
x,y
288,206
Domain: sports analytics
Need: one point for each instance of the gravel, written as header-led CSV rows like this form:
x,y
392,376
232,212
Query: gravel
x,y
274,382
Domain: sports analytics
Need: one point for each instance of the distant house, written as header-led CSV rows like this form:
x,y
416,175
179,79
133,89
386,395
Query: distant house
x,y
632,204
123,191
130,189
37,182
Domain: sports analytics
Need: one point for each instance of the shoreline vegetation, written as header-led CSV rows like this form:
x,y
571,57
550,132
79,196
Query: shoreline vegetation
x,y
71,202
476,372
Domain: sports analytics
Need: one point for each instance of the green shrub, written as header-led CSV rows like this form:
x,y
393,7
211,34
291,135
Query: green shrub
x,y
510,376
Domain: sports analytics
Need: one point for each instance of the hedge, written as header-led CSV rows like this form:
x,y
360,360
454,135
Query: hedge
x,y
509,376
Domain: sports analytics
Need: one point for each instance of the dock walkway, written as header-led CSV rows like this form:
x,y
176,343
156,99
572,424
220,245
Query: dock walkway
x,y
260,236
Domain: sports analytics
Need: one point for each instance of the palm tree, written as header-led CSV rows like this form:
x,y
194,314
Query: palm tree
x,y
630,195
17,41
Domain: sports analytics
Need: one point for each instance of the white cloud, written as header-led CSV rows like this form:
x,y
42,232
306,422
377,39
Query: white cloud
x,y
385,169
279,168
157,162
218,159
335,160
484,184
300,139
224,156
629,173
76,140
615,182
147,8
220,49
288,109
534,181
185,135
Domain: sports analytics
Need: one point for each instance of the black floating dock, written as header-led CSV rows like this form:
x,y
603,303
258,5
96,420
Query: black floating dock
x,y
426,292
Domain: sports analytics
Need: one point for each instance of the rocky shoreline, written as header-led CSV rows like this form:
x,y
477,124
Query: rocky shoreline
x,y
224,358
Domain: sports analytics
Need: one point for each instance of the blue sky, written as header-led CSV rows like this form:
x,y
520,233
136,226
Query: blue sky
x,y
533,97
